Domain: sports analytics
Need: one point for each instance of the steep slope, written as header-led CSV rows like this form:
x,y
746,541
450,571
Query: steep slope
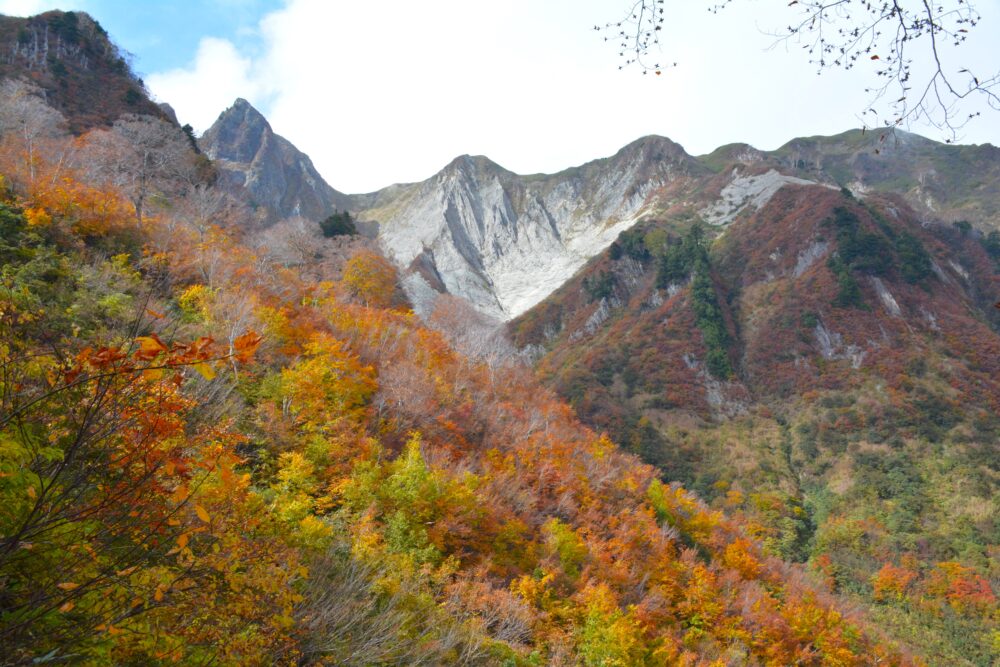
x,y
82,73
505,241
280,180
943,181
830,367
213,455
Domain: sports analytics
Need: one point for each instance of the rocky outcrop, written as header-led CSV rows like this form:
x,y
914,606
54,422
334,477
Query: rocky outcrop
x,y
505,241
280,180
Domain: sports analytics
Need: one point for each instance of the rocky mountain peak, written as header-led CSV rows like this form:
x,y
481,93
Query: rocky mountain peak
x,y
473,169
655,147
238,134
280,179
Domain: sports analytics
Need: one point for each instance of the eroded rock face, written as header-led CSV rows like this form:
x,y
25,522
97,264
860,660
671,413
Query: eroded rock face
x,y
505,241
280,179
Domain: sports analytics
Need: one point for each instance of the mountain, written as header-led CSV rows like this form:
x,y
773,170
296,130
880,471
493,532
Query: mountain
x,y
505,241
81,72
827,365
280,180
812,352
224,445
943,181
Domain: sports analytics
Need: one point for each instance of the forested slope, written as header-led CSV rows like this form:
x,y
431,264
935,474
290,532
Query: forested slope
x,y
220,450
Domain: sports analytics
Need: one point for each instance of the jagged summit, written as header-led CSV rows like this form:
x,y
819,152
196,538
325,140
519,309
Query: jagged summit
x,y
480,162
506,241
238,134
280,179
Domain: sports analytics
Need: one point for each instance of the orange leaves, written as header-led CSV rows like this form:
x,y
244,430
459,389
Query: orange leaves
x,y
155,356
150,347
245,346
739,556
966,591
892,582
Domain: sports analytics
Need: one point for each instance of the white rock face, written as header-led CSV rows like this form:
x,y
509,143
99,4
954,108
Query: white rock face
x,y
504,241
831,346
746,191
809,256
886,297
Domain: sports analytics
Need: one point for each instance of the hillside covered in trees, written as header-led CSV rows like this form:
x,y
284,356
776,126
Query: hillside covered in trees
x,y
826,368
759,428
223,447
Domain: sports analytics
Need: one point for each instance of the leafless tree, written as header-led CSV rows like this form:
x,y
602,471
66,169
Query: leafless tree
x,y
27,119
347,619
477,336
912,43
292,242
144,156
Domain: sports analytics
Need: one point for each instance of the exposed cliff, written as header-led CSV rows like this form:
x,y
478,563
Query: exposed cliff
x,y
280,180
506,241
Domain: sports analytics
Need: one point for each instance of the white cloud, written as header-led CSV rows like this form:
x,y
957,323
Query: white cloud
x,y
218,76
391,91
32,7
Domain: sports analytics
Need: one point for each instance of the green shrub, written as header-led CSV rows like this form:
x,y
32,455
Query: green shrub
x,y
914,262
848,291
338,224
599,287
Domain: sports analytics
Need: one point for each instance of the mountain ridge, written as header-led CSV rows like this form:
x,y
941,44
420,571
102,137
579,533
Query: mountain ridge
x,y
504,241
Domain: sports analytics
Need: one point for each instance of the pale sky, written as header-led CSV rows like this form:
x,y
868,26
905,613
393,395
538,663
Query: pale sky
x,y
391,91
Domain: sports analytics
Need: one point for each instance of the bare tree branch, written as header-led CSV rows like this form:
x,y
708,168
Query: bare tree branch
x,y
911,42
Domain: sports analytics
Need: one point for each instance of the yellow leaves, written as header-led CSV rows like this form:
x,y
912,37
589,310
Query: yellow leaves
x,y
204,369
67,586
150,347
370,278
601,447
202,514
183,539
313,531
67,607
31,492
37,217
195,303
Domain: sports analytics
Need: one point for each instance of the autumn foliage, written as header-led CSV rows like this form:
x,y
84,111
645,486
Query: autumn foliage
x,y
205,458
